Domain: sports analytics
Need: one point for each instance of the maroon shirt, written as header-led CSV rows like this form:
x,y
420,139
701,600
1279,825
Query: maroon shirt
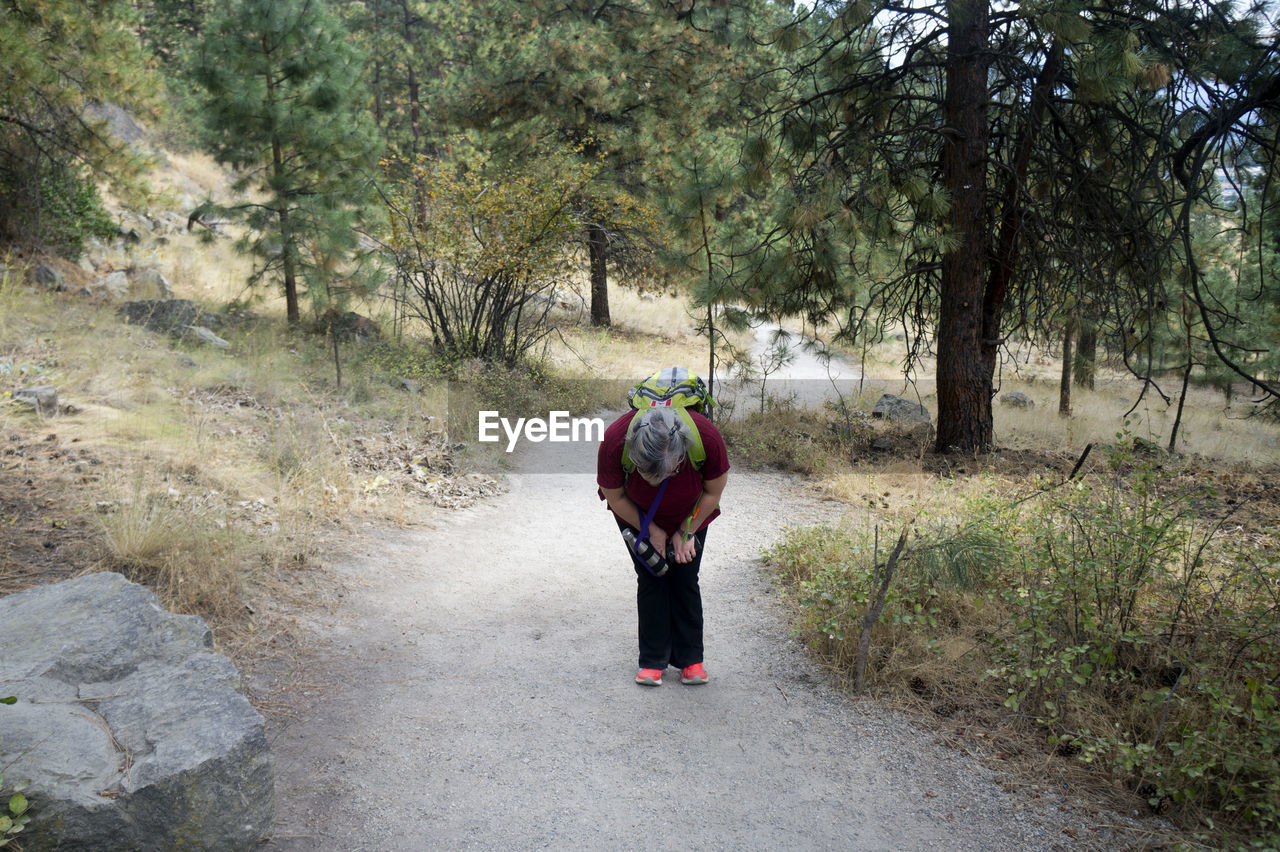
x,y
683,490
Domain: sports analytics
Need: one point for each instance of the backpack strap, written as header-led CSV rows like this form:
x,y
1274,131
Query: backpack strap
x,y
648,516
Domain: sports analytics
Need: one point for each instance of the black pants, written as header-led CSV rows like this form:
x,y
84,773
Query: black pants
x,y
670,610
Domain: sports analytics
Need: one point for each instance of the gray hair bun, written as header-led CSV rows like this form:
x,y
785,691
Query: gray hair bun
x,y
659,443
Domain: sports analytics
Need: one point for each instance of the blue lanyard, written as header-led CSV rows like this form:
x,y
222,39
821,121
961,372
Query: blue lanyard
x,y
648,518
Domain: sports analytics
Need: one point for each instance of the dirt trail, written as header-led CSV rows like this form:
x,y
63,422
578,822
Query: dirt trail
x,y
473,689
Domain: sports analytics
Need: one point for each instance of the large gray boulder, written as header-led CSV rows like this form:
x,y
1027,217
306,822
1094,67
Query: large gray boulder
x,y
149,283
200,334
48,277
895,409
130,730
1017,399
43,398
113,286
116,120
167,316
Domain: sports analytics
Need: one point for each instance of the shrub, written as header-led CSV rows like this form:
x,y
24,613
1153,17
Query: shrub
x,y
50,204
480,248
800,440
1123,624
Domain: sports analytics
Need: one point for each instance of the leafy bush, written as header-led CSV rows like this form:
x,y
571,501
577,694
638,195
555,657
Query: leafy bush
x,y
393,360
50,204
1122,623
480,250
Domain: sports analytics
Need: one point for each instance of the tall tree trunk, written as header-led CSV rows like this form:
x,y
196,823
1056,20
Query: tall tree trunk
x,y
598,253
290,273
286,237
964,382
415,107
1085,367
1182,400
1064,387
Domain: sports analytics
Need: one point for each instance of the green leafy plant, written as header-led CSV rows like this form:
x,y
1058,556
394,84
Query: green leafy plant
x,y
14,816
53,205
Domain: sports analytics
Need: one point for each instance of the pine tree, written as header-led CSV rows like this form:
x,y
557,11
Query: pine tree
x,y
60,58
170,27
283,105
644,86
943,135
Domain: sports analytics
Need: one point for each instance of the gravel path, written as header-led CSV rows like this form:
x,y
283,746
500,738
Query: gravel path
x,y
473,689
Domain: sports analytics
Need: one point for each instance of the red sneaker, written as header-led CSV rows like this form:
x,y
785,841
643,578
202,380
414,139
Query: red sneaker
x,y
693,674
649,677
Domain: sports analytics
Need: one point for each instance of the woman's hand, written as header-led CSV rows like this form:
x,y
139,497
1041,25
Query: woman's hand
x,y
685,548
658,538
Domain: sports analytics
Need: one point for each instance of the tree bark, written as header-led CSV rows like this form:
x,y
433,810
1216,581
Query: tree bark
x,y
964,381
598,253
290,274
286,237
1064,387
1085,366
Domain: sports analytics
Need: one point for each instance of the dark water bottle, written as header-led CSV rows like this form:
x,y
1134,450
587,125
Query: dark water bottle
x,y
646,553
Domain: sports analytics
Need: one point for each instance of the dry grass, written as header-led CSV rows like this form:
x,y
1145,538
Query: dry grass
x,y
649,331
212,476
187,550
192,173
1209,427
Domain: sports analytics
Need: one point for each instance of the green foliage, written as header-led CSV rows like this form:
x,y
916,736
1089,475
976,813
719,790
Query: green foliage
x,y
1114,615
479,249
656,93
1067,207
169,27
393,360
60,58
283,107
830,570
14,816
52,205
415,50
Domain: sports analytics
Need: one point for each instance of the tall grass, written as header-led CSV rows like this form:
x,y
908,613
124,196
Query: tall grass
x,y
190,554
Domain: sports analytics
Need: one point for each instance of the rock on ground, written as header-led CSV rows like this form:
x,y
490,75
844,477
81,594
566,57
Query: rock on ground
x,y
1017,399
150,283
166,316
43,398
129,729
895,409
